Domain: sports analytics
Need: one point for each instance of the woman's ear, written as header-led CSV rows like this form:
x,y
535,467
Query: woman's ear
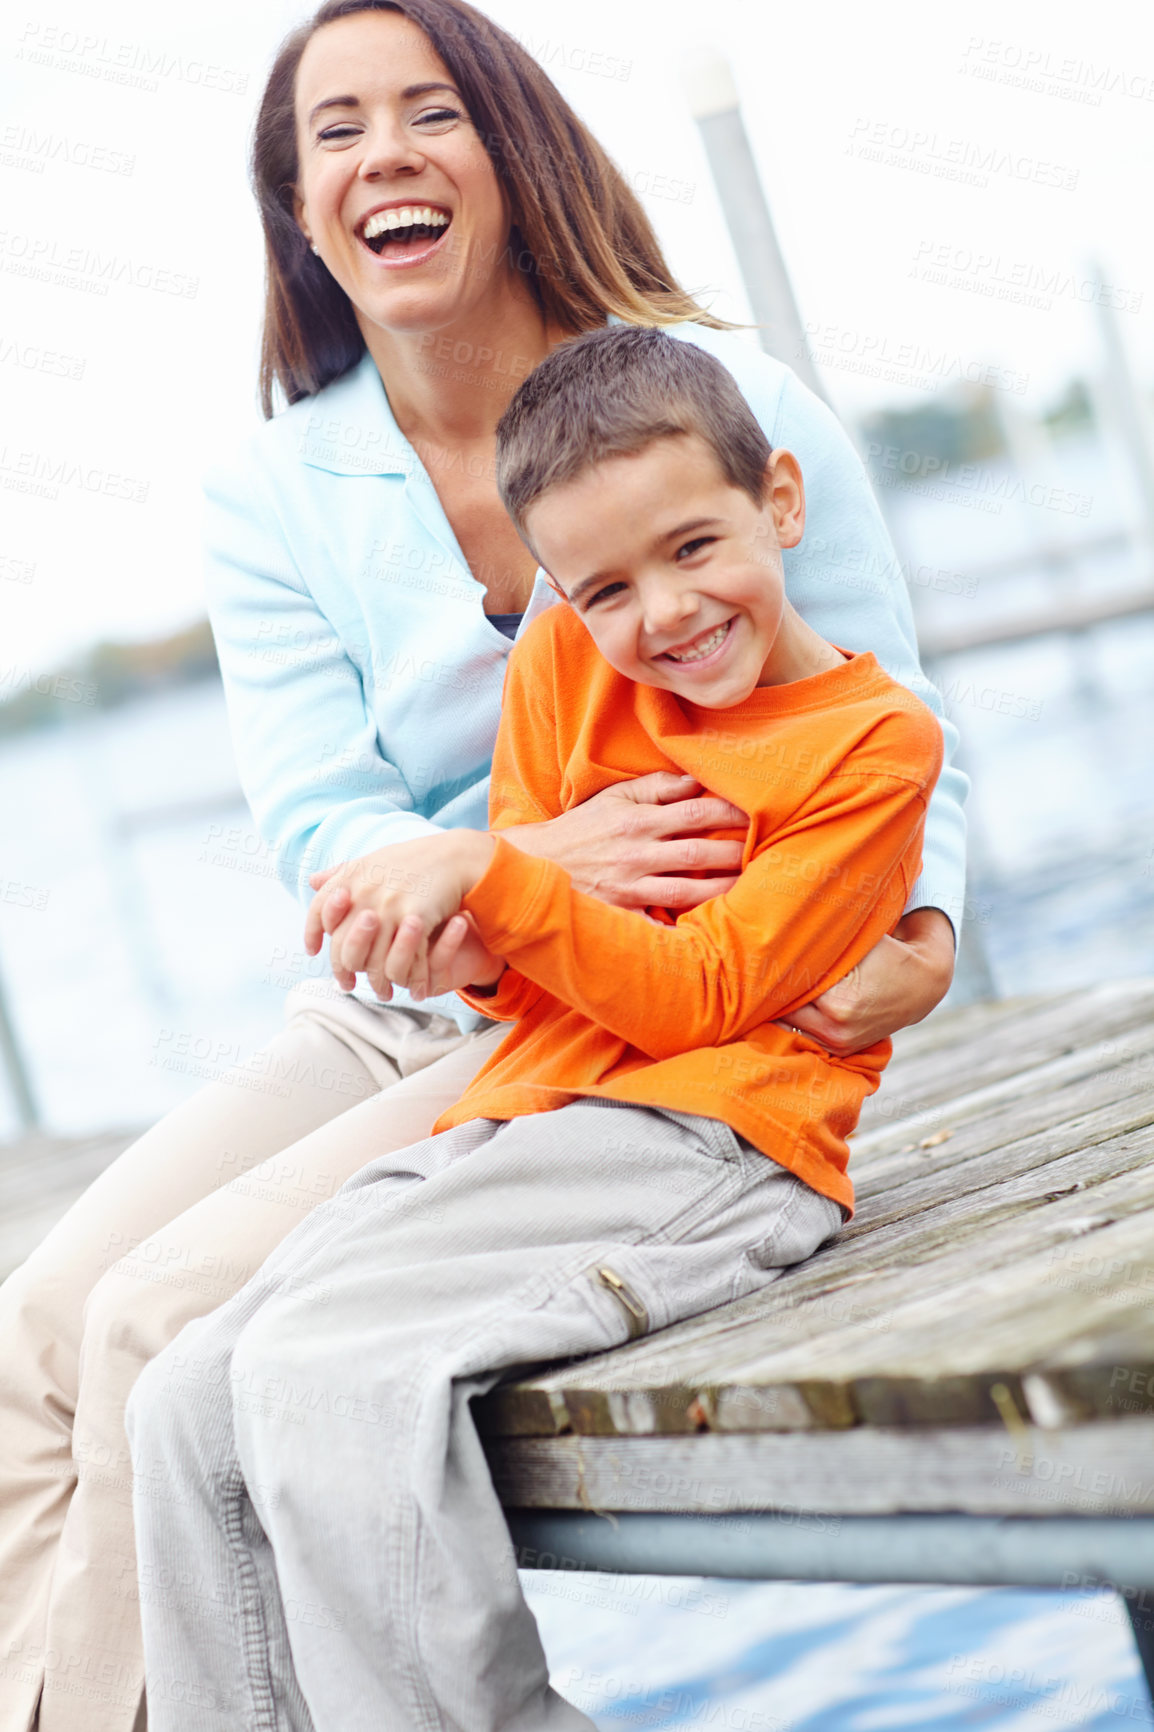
x,y
299,218
784,496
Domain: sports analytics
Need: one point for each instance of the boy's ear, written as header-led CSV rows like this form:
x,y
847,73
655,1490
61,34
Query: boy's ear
x,y
785,496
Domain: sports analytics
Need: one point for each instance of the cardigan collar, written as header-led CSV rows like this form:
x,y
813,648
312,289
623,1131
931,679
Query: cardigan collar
x,y
349,427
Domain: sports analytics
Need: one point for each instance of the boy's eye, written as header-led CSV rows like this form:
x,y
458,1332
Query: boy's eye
x,y
690,547
592,600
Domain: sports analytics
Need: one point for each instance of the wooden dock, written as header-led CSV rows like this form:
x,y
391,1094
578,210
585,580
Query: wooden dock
x,y
979,1339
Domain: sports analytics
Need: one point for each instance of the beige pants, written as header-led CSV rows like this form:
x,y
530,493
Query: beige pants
x,y
173,1228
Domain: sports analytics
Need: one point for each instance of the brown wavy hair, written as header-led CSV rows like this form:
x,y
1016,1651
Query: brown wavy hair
x,y
579,236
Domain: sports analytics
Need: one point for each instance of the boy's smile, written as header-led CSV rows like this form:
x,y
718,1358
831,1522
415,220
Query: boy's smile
x,y
677,573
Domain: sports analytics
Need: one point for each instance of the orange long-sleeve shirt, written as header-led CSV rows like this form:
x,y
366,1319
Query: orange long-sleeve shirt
x,y
677,1011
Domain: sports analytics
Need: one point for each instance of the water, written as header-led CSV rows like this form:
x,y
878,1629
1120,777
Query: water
x,y
780,1657
142,957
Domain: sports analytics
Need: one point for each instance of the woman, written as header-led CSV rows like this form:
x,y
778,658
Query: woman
x,y
436,220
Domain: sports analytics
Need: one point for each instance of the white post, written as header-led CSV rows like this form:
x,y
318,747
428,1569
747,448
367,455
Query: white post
x,y
16,1069
1127,409
714,102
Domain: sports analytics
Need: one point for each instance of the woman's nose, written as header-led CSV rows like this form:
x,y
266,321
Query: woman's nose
x,y
388,151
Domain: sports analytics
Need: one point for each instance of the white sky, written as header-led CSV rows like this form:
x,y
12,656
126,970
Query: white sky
x,y
141,382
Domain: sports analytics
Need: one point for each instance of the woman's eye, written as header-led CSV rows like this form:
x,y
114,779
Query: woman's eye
x,y
333,134
437,117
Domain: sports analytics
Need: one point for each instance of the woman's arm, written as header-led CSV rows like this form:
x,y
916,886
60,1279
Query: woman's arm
x,y
845,580
305,742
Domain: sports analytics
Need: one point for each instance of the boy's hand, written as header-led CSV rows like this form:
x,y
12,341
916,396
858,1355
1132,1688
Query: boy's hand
x,y
459,957
381,910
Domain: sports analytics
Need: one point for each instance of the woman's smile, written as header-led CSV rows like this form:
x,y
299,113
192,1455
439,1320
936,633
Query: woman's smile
x,y
403,232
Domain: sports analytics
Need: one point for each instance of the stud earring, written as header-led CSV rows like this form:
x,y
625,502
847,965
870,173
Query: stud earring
x,y
315,248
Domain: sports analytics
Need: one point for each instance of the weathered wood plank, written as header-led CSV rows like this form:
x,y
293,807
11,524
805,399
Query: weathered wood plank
x,y
1091,1108
894,1133
983,1044
1106,1467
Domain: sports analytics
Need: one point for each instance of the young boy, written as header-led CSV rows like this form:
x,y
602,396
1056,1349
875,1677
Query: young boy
x,y
651,1139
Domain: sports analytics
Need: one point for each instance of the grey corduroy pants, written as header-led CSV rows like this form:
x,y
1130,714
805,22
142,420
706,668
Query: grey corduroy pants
x,y
320,1545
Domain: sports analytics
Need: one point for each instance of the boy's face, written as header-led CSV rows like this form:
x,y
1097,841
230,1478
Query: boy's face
x,y
676,573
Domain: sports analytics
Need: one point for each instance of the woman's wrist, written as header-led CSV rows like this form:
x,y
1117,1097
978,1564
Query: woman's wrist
x,y
535,839
473,850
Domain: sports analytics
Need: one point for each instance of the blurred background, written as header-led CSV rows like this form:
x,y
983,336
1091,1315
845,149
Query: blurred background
x,y
957,199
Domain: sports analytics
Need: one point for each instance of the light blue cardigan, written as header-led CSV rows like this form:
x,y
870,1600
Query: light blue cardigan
x,y
362,677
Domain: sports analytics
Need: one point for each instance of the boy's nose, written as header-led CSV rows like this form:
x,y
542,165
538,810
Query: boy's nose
x,y
667,610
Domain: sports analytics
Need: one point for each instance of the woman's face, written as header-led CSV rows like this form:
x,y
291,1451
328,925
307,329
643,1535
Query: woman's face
x,y
396,190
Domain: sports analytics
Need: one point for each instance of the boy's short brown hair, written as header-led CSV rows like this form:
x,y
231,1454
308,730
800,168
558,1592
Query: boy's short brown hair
x,y
611,392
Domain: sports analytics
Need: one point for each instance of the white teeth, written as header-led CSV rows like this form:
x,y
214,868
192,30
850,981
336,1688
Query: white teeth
x,y
703,649
403,217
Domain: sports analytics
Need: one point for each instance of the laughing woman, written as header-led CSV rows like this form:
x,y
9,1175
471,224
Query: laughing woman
x,y
437,219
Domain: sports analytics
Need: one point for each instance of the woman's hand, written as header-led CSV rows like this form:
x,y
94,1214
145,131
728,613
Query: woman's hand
x,y
382,910
897,983
630,844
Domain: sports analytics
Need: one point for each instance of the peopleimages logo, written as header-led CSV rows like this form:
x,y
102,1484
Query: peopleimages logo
x,y
890,465
968,161
1023,282
42,474
25,148
1025,66
139,65
46,260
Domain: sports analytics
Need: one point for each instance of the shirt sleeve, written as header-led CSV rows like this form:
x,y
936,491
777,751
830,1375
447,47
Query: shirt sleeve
x,y
513,997
808,906
307,747
846,581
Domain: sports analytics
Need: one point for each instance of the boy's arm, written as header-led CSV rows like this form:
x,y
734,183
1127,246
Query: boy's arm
x,y
771,944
